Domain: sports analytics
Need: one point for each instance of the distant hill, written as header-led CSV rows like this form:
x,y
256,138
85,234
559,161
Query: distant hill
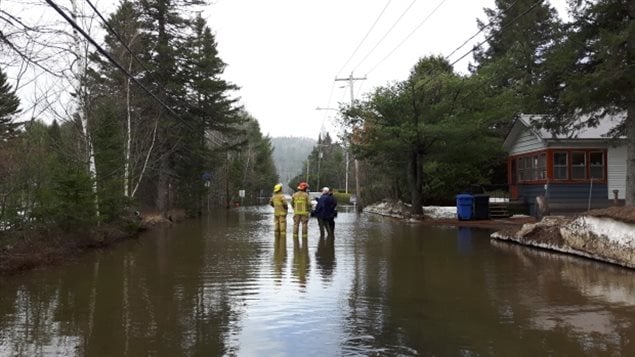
x,y
289,155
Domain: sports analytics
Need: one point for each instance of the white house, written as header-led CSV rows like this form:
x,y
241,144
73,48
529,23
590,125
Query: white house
x,y
585,166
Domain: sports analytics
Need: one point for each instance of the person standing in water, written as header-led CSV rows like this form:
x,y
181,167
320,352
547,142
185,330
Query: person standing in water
x,y
280,210
300,203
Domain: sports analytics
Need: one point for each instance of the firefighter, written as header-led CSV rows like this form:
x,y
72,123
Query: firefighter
x,y
280,209
301,209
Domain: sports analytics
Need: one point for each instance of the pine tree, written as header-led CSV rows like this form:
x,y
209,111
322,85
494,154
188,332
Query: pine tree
x,y
9,104
519,32
591,73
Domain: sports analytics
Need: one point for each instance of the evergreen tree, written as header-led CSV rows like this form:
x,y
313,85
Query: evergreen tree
x,y
518,32
401,123
9,104
209,109
591,73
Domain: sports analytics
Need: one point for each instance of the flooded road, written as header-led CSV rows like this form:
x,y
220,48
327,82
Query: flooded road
x,y
222,285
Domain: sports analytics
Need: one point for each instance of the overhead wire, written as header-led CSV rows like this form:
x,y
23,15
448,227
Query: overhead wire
x,y
385,35
481,30
136,58
116,34
425,19
107,55
121,68
481,43
502,28
364,39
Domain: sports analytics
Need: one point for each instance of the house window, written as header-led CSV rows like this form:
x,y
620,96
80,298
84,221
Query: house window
x,y
521,169
560,160
540,167
578,165
596,165
531,168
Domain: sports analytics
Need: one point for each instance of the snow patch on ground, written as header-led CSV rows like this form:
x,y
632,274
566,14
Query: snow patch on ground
x,y
615,231
399,209
439,212
601,238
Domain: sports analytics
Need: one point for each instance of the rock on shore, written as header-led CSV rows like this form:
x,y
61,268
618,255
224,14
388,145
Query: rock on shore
x,y
607,235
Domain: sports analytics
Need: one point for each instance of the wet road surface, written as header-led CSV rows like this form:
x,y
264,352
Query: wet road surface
x,y
223,285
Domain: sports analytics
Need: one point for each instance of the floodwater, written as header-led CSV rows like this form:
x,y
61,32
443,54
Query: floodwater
x,y
222,285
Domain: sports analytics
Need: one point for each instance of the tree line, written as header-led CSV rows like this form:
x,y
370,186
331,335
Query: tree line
x,y
188,145
428,137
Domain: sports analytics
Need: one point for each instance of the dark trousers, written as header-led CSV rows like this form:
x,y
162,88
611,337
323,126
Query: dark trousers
x,y
328,225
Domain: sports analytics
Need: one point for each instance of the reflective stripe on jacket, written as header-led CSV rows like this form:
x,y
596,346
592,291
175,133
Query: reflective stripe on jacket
x,y
300,203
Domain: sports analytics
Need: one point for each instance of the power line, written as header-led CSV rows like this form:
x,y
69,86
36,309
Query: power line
x,y
409,35
212,138
385,35
121,68
364,39
107,55
492,35
116,34
481,30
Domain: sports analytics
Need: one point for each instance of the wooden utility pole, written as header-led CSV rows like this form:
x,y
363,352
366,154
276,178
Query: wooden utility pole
x,y
351,81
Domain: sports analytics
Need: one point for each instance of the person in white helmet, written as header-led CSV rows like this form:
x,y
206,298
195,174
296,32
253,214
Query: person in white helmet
x,y
325,212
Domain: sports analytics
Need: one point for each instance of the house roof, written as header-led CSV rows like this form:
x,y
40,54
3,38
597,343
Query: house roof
x,y
528,121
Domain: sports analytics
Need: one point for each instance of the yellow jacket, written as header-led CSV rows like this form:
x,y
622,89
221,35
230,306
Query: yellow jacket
x,y
279,204
300,203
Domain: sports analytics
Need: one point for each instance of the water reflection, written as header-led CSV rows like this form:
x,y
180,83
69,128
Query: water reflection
x,y
301,261
279,257
225,285
325,257
603,296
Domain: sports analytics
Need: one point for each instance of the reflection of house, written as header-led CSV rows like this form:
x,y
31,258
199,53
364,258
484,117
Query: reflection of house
x,y
570,170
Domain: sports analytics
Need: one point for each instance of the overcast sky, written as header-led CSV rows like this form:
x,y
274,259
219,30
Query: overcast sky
x,y
285,54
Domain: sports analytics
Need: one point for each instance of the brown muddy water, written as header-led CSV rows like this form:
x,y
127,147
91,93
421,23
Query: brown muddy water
x,y
222,285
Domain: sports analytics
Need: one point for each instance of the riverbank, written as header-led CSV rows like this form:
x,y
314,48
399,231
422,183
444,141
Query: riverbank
x,y
24,250
606,235
444,216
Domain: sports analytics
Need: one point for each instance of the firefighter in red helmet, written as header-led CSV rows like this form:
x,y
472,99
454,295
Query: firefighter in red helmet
x,y
301,209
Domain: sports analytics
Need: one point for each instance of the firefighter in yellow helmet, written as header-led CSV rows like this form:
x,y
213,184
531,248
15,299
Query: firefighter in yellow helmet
x,y
280,209
301,207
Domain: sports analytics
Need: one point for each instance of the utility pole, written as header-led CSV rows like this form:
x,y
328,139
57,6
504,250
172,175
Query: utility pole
x,y
351,81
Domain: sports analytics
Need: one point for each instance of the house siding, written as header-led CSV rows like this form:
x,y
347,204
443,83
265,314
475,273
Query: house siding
x,y
617,171
527,142
567,192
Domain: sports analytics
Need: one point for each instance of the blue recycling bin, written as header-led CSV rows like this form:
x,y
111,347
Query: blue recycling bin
x,y
464,203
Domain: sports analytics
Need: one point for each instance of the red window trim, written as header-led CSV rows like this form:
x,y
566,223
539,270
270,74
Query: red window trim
x,y
513,160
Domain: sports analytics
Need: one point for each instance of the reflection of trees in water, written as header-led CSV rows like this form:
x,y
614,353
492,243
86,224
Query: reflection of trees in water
x,y
325,257
301,261
180,294
366,326
586,304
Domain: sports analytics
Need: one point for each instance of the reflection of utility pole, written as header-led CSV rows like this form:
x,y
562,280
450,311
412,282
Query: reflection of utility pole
x,y
319,162
351,80
226,176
